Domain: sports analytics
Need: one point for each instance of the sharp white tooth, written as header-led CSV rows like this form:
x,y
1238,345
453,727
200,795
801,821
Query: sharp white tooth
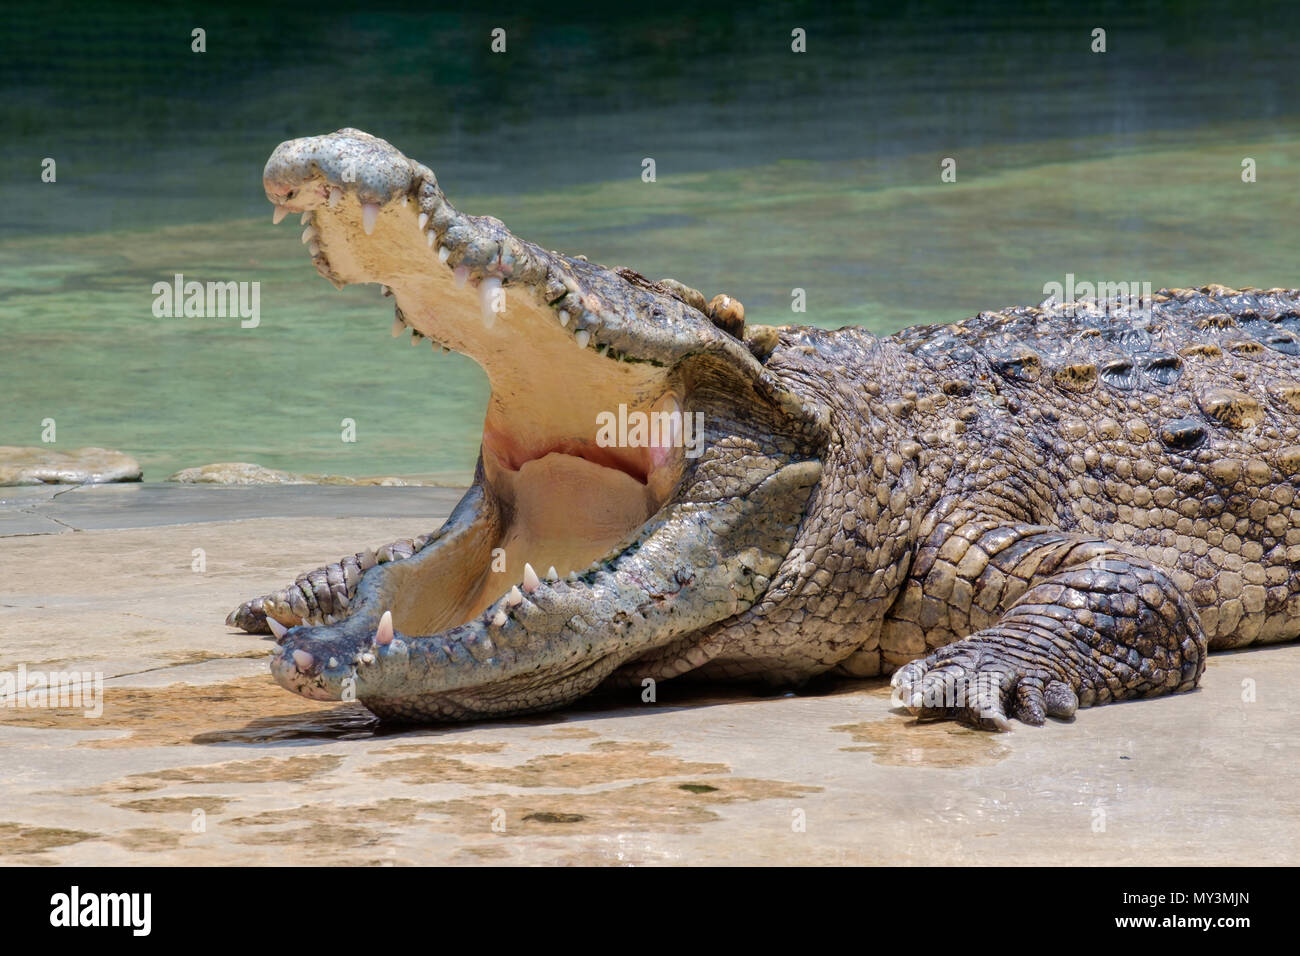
x,y
398,326
488,290
513,597
499,618
531,583
308,235
369,214
573,576
416,338
424,220
367,658
306,218
334,662
384,632
551,575
582,337
564,318
280,213
460,276
428,238
443,253
314,247
278,629
335,195
303,660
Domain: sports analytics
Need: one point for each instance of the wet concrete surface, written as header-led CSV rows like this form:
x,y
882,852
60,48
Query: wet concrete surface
x,y
199,758
54,508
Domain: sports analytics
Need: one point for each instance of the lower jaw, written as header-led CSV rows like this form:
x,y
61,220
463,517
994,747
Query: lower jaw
x,y
558,514
506,698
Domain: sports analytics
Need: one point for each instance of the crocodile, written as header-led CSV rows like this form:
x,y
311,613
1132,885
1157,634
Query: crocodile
x,y
1016,515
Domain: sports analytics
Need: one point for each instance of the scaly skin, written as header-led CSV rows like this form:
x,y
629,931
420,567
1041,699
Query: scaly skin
x,y
1017,515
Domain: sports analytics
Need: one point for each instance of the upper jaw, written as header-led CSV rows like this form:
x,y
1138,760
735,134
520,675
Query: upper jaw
x,y
537,322
417,236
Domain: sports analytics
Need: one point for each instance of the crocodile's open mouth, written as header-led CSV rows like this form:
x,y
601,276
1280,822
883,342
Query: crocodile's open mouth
x,y
603,389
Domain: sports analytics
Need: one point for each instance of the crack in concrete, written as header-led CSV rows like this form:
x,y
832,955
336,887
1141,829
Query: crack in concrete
x,y
165,667
30,513
53,497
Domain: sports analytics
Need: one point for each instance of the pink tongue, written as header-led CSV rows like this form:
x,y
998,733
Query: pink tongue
x,y
513,457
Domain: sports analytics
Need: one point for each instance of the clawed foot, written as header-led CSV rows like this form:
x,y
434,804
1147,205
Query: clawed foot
x,y
982,685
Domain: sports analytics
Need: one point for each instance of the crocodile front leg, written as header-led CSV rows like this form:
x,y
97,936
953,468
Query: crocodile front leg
x,y
1077,622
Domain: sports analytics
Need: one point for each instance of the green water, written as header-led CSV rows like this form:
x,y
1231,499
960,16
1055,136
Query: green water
x,y
775,173
867,249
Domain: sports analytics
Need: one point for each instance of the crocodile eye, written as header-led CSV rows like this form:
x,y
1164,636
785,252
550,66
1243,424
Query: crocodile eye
x,y
290,194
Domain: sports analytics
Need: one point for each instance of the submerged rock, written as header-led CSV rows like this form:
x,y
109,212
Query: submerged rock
x,y
247,473
42,465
